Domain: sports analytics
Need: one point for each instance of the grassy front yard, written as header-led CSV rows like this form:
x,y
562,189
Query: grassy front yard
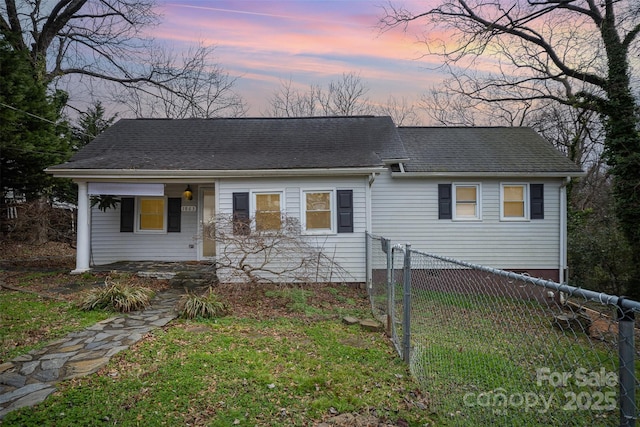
x,y
240,372
28,322
283,357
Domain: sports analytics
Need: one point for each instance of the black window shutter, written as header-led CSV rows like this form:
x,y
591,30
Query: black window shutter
x,y
444,201
174,211
536,201
127,214
241,213
345,211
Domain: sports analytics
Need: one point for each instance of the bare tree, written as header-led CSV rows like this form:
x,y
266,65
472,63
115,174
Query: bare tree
x,y
290,102
447,106
199,89
573,52
547,49
580,135
283,255
400,110
104,40
343,97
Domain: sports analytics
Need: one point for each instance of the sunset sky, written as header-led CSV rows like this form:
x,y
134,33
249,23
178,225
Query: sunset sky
x,y
265,42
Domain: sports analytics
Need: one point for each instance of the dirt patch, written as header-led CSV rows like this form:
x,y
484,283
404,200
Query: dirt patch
x,y
50,256
44,270
309,301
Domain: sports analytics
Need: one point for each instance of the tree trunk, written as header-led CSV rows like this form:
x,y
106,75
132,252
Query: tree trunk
x,y
41,222
622,147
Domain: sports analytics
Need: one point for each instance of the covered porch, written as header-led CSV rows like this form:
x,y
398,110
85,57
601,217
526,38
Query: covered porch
x,y
168,222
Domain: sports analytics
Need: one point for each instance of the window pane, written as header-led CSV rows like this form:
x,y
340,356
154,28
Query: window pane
x,y
466,201
268,212
513,201
465,210
268,202
318,201
318,220
466,194
268,220
514,209
318,211
514,193
152,214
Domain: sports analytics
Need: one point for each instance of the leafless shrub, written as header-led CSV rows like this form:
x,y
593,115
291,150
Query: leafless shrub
x,y
38,222
248,254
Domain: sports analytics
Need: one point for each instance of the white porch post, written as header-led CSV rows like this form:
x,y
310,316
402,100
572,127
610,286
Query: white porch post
x,y
82,233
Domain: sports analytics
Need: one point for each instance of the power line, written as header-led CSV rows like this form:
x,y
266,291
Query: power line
x,y
28,113
44,119
25,150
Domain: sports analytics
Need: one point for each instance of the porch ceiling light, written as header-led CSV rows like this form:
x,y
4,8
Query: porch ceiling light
x,y
188,194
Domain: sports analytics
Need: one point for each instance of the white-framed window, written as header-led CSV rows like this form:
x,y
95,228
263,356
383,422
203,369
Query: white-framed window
x,y
466,202
514,202
267,210
151,214
318,211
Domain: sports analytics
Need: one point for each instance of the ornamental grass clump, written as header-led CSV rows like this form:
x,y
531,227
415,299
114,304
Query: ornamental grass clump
x,y
207,306
117,297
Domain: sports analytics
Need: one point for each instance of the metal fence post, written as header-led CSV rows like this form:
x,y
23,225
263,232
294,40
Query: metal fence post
x,y
626,350
406,302
390,292
368,261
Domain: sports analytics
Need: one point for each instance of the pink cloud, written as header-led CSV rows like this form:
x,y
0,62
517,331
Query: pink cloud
x,y
265,42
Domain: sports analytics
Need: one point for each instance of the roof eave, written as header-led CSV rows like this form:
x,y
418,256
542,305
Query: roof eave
x,y
182,175
502,174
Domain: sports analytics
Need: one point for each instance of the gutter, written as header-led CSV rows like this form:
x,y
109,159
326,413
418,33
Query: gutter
x,y
487,174
97,175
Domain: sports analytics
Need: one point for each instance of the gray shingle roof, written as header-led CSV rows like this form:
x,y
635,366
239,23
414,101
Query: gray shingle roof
x,y
481,149
241,144
309,143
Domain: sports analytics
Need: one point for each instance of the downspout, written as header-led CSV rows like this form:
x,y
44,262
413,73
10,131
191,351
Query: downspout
x,y
371,179
562,274
368,222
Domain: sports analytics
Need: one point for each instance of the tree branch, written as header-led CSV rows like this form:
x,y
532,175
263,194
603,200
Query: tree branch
x,y
631,36
532,36
59,17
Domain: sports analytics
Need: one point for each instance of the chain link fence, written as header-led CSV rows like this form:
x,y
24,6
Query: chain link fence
x,y
491,347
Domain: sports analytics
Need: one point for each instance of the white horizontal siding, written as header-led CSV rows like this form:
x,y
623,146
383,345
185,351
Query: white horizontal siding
x,y
406,211
346,249
109,245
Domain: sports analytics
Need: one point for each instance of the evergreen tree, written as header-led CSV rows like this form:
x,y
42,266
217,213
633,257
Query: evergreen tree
x,y
91,124
32,136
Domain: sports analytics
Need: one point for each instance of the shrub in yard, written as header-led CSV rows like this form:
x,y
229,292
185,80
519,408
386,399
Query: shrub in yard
x,y
207,306
117,296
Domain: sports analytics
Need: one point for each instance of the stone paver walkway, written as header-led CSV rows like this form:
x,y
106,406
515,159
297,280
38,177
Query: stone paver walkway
x,y
28,379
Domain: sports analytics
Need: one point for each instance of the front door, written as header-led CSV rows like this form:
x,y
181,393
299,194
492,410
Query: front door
x,y
207,218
